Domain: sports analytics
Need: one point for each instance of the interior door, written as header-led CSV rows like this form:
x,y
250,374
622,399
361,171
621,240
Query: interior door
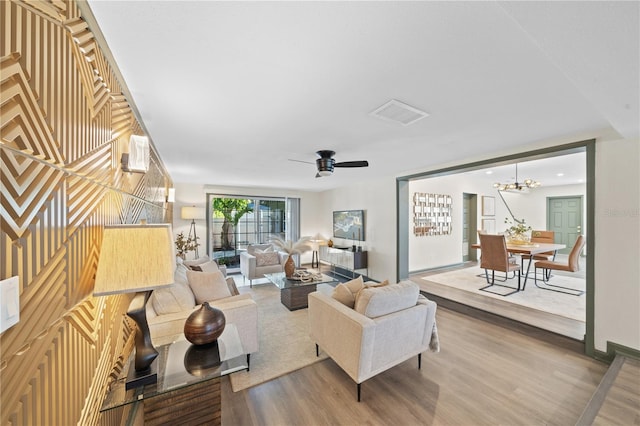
x,y
564,218
469,214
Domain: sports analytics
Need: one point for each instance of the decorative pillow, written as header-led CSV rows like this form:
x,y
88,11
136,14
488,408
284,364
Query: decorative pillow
x,y
198,261
210,266
355,285
343,295
208,286
267,259
176,298
231,285
252,249
375,284
378,301
180,275
267,250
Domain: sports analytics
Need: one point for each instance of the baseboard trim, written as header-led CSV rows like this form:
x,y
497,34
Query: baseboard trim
x,y
614,349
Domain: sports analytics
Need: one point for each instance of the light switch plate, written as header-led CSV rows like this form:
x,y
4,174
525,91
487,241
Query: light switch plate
x,y
9,303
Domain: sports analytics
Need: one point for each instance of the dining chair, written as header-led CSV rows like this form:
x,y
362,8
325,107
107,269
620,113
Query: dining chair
x,y
572,265
496,258
545,237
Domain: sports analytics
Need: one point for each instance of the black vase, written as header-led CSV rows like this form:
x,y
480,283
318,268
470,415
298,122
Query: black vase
x,y
205,325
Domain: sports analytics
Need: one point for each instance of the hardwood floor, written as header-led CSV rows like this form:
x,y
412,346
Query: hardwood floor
x,y
485,374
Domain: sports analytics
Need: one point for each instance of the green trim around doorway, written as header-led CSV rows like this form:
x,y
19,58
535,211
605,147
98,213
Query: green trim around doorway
x,y
588,146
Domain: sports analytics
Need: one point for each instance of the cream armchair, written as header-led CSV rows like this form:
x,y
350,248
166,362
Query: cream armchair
x,y
396,325
254,263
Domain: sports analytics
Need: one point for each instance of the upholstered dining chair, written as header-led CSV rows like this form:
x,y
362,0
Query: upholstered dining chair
x,y
496,258
572,265
545,237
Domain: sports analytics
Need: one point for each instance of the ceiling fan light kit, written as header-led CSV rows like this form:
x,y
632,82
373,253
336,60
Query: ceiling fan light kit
x,y
326,163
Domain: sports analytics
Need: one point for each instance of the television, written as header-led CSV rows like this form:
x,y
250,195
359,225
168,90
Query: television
x,y
348,224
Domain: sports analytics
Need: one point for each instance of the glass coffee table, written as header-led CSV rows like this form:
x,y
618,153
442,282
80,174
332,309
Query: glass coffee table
x,y
294,292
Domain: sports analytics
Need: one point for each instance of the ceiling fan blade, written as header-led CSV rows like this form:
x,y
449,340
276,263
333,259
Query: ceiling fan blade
x,y
300,161
352,164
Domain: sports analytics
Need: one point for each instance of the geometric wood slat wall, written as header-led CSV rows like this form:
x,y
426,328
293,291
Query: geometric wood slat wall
x,y
64,124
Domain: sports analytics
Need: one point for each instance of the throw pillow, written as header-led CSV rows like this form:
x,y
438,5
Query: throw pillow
x,y
267,250
208,286
374,302
355,285
176,298
267,259
343,295
180,275
210,266
375,284
231,284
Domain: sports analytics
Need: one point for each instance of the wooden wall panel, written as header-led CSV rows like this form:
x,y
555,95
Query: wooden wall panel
x,y
64,124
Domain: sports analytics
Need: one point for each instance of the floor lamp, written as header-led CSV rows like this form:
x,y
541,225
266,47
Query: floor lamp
x,y
192,213
136,259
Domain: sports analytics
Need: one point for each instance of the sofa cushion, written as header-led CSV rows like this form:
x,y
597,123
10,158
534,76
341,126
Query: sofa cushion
x,y
175,298
267,259
180,274
374,302
208,286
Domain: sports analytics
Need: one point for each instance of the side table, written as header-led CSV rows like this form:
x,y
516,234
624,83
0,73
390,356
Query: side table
x,y
188,386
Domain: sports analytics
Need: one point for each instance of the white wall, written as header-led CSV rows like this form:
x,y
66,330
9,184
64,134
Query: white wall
x,y
378,199
196,194
617,244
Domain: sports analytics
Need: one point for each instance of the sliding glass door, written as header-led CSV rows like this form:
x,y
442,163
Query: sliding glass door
x,y
234,222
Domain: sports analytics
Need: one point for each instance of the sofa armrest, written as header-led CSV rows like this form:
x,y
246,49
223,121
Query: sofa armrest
x,y
344,334
247,264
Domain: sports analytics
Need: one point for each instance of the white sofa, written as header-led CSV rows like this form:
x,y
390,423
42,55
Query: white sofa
x,y
259,259
386,326
168,309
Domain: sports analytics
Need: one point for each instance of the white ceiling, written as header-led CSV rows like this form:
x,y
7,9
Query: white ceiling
x,y
229,91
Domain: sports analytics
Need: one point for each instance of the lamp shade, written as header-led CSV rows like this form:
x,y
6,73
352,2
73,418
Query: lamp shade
x,y
135,258
192,212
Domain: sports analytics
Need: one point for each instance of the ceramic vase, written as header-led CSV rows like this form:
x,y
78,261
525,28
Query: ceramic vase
x,y
205,325
289,267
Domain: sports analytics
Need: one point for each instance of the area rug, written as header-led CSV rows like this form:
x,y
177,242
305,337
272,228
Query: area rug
x,y
283,338
569,306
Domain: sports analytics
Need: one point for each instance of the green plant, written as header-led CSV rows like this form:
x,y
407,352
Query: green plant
x,y
231,209
185,244
517,227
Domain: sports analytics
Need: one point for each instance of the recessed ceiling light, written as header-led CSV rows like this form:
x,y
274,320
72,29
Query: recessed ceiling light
x,y
560,174
489,172
580,180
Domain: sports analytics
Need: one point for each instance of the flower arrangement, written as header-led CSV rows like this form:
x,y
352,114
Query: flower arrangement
x,y
518,231
290,247
185,244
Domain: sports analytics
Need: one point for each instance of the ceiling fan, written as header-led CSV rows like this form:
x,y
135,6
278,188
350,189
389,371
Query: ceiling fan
x,y
326,163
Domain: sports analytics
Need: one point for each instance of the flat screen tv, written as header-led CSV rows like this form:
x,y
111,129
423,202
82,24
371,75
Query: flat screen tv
x,y
348,224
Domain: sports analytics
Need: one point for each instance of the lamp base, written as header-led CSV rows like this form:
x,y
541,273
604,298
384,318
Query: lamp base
x,y
136,379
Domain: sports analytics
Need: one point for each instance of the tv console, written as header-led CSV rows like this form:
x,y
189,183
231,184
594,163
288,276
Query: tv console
x,y
344,258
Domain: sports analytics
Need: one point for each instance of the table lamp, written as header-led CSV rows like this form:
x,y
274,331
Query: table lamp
x,y
192,213
136,259
316,242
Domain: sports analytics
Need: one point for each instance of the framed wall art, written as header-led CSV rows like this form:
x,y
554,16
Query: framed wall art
x,y
488,206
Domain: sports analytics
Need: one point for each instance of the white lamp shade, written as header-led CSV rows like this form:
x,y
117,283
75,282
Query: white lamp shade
x,y
190,213
135,258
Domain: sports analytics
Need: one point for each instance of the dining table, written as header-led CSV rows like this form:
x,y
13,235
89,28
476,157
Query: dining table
x,y
528,250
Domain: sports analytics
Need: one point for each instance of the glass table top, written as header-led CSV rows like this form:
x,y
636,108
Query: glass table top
x,y
181,364
282,281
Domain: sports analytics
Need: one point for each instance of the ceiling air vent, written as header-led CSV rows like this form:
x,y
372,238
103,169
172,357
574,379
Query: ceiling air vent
x,y
399,112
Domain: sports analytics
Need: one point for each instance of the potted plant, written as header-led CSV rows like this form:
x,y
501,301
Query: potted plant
x,y
518,231
185,244
291,248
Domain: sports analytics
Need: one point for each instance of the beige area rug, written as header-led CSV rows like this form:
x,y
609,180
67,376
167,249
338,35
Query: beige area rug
x,y
283,336
569,306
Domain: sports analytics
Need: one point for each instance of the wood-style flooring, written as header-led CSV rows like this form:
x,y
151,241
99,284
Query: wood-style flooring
x,y
486,373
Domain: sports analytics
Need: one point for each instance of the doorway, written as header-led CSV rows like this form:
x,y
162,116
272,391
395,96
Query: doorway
x,y
469,226
564,218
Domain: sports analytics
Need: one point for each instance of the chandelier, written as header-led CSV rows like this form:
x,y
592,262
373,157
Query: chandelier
x,y
517,186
